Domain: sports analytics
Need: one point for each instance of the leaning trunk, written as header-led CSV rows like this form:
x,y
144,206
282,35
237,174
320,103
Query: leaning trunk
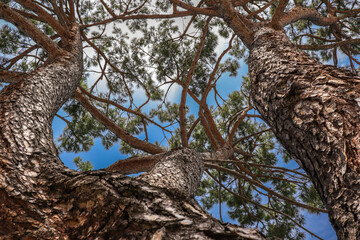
x,y
28,159
313,110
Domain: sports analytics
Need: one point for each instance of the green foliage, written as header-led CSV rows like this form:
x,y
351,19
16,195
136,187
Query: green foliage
x,y
310,196
82,165
79,134
244,203
9,40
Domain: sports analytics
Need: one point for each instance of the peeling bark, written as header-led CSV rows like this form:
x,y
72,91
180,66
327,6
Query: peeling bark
x,y
313,110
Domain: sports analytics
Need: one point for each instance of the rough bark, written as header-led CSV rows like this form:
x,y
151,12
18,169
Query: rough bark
x,y
108,205
103,205
42,199
146,163
179,172
28,107
313,110
28,158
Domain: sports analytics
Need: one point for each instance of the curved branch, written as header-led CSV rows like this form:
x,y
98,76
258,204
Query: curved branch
x,y
193,9
192,128
118,131
255,13
9,63
237,123
189,76
141,16
240,24
121,108
298,13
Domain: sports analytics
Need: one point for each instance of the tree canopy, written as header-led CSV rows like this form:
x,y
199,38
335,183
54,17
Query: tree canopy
x,y
138,55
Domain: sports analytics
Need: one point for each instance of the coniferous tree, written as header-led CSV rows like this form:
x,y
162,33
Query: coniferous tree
x,y
93,58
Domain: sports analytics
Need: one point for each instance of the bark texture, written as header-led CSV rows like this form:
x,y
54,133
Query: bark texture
x,y
179,172
107,205
314,111
42,199
28,158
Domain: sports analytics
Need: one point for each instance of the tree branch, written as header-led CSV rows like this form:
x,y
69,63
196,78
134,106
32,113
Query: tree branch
x,y
236,125
10,76
278,13
119,132
30,29
298,13
29,15
46,16
72,11
121,108
255,13
189,76
197,10
262,186
329,46
192,128
241,25
59,13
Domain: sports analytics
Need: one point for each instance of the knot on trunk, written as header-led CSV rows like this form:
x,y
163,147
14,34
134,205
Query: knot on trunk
x,y
179,171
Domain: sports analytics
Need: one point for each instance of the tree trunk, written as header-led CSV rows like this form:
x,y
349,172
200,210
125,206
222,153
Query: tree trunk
x,y
104,205
107,205
42,199
313,110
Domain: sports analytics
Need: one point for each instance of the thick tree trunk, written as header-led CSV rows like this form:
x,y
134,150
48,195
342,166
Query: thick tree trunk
x,y
28,158
42,199
104,205
314,111
108,205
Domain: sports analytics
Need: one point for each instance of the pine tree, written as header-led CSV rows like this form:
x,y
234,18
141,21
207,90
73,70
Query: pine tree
x,y
110,66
